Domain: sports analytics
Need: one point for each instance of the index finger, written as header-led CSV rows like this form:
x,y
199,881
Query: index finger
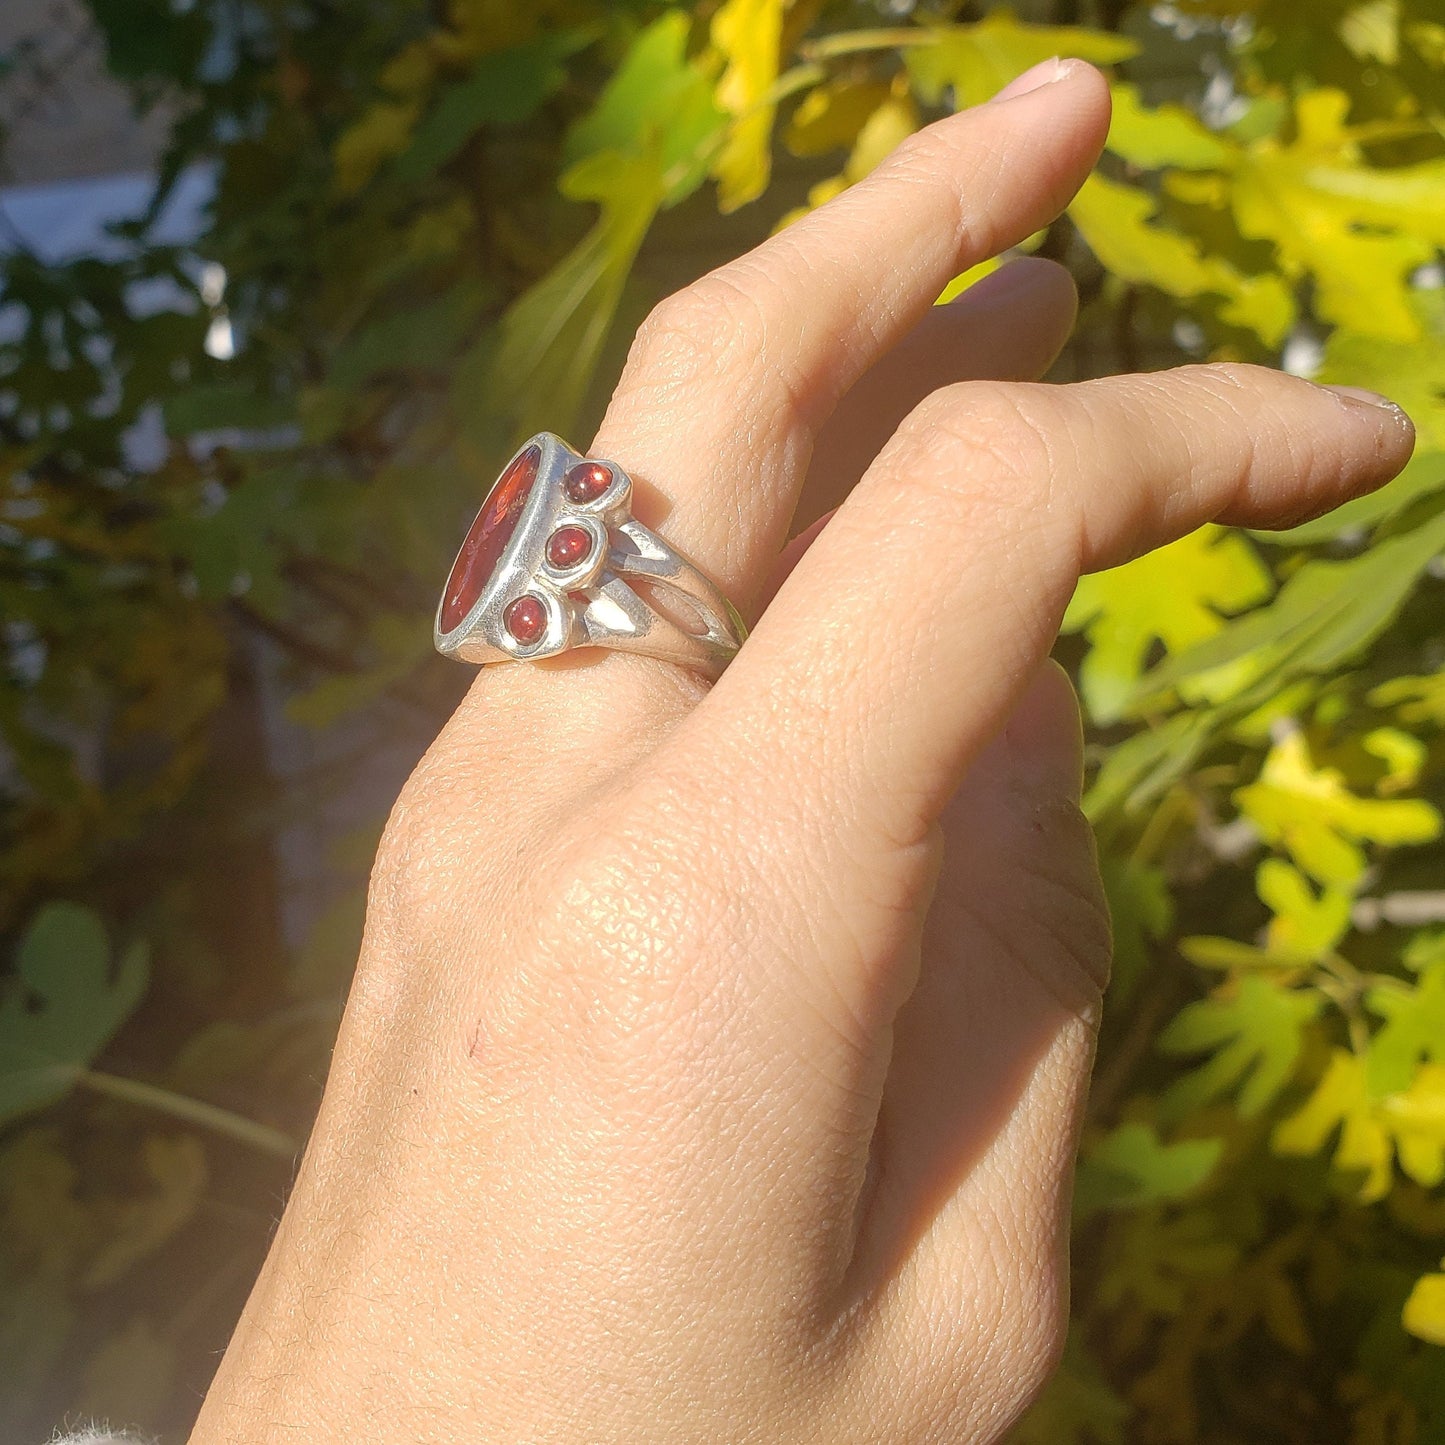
x,y
730,378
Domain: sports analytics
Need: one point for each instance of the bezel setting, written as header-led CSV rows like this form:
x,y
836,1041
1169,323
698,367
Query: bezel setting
x,y
589,603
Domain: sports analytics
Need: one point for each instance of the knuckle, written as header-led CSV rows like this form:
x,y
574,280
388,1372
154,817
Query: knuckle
x,y
649,920
995,442
716,327
732,334
998,460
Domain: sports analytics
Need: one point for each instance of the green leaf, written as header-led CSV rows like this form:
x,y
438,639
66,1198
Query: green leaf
x,y
62,1007
1410,372
658,106
975,61
1138,769
1417,701
1413,1031
1141,911
1131,1166
1176,596
225,406
504,88
412,339
535,369
1253,1028
1325,615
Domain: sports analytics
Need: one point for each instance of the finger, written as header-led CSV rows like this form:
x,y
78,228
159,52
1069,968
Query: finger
x,y
905,633
1010,326
730,380
979,1122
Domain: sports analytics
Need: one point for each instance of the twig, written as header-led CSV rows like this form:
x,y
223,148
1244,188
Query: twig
x,y
192,1111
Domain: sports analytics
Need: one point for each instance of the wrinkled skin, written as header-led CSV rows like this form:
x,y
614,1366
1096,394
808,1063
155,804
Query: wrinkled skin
x,y
714,1066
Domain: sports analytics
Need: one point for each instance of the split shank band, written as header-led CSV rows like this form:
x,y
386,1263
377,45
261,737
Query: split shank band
x,y
555,560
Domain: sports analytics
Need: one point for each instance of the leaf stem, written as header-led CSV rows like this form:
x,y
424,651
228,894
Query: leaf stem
x,y
855,42
193,1111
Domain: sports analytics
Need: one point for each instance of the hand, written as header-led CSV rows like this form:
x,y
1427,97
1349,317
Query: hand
x,y
714,1065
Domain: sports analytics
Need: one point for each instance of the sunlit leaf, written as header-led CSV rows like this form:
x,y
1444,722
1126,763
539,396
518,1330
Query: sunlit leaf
x,y
830,116
747,33
657,107
1424,1313
1340,1102
1115,219
1253,1030
1177,596
1310,813
1311,199
1326,613
1165,135
973,62
1305,924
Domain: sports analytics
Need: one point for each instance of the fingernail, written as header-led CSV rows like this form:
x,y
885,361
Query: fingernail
x,y
1370,398
1046,72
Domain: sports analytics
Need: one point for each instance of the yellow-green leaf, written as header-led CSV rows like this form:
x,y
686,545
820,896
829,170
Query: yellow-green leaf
x,y
1310,199
1424,1312
975,61
1178,595
1305,924
536,370
1165,135
830,116
748,34
1340,1102
1312,815
1253,1029
1114,219
1372,31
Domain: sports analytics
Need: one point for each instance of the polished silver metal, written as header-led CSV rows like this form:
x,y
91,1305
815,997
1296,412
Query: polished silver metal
x,y
633,592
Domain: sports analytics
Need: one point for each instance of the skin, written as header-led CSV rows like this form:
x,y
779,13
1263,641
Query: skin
x,y
715,1061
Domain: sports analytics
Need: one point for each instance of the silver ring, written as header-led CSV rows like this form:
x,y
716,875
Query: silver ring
x,y
555,560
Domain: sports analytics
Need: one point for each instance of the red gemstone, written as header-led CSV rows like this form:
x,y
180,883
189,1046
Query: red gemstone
x,y
567,546
526,619
489,537
587,481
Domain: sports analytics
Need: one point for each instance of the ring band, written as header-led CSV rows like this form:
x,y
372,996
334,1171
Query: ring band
x,y
555,560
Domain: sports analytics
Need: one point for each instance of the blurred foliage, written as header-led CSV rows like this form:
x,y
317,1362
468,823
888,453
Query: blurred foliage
x,y
438,225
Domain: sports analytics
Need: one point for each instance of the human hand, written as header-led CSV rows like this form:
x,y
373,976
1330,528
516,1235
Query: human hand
x,y
714,1065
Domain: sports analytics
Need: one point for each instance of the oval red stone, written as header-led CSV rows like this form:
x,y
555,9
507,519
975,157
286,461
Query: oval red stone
x,y
567,546
488,537
526,619
587,481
